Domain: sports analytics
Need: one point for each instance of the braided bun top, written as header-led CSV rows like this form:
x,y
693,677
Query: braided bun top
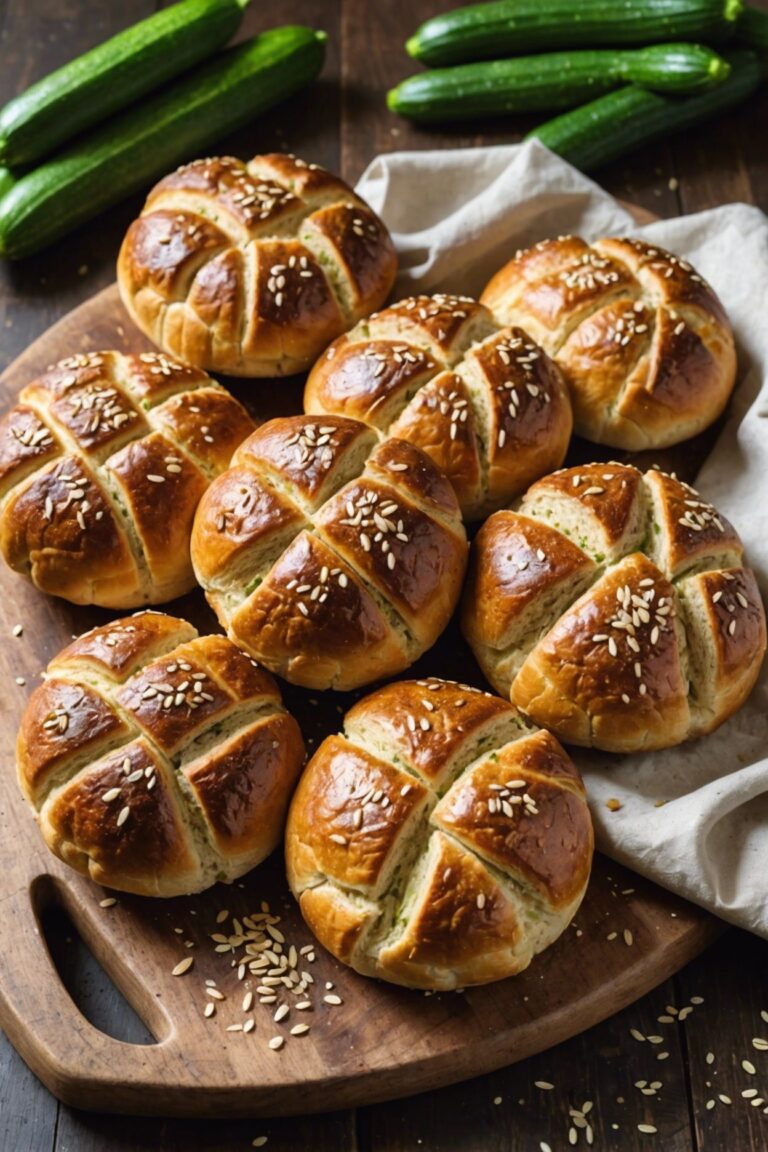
x,y
484,401
438,841
158,761
644,343
615,608
102,464
332,559
252,269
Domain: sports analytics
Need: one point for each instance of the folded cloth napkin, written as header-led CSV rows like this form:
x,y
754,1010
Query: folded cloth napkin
x,y
456,216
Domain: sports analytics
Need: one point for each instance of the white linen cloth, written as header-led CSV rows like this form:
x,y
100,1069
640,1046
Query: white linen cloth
x,y
456,216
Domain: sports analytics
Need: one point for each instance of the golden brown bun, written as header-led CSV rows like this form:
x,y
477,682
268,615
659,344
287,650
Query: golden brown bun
x,y
332,560
484,402
252,269
643,342
614,608
438,841
158,761
102,464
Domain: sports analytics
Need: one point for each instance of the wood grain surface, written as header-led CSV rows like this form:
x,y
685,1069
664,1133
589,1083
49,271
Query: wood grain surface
x,y
343,123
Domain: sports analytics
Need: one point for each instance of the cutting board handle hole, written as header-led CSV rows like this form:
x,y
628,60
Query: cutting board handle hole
x,y
82,976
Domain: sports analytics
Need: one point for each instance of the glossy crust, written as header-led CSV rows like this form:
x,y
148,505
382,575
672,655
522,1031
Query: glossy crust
x,y
102,464
158,761
252,269
438,842
484,402
331,559
643,342
614,609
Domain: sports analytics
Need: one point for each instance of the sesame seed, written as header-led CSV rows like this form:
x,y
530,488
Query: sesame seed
x,y
544,1085
183,966
123,815
108,902
299,1029
647,1129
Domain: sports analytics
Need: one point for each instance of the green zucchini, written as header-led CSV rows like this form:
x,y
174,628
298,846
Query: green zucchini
x,y
113,75
6,180
145,142
552,81
614,124
510,27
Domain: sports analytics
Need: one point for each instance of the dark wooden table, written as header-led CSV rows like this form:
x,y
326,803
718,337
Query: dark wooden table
x,y
343,123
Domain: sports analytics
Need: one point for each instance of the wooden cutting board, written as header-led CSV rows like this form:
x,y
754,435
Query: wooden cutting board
x,y
381,1042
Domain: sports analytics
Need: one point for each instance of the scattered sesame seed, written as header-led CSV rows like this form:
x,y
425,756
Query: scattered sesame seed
x,y
108,902
183,966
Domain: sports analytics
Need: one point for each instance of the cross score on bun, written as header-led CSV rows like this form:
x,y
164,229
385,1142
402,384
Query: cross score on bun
x,y
485,402
252,269
331,558
615,609
102,464
438,841
158,761
644,343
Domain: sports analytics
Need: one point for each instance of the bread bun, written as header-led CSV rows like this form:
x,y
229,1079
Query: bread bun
x,y
484,402
158,761
252,269
438,841
102,463
332,559
644,343
614,608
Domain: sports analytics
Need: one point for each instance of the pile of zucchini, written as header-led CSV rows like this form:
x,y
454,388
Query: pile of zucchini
x,y
619,74
91,133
